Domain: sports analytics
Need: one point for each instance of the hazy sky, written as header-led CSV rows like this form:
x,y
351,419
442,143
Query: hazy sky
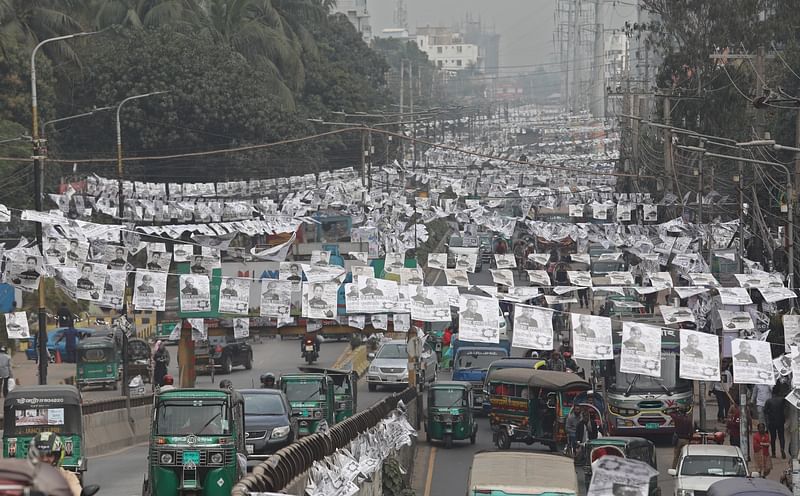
x,y
525,26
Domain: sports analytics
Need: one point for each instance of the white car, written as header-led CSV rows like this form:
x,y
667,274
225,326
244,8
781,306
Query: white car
x,y
701,465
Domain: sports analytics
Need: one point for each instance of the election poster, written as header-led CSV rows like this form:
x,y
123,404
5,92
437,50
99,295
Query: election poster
x,y
539,258
195,293
362,271
371,295
456,277
775,294
478,319
794,354
290,271
592,337
403,299
752,362
660,280
437,261
699,356
320,257
533,328
734,296
17,325
617,476
91,281
276,298
241,327
759,280
429,304
580,278
116,257
538,277
379,321
703,279
620,278
791,330
560,299
401,322
234,295
114,289
411,275
674,315
641,349
394,261
505,261
319,300
322,273
23,271
150,289
735,320
466,261
503,277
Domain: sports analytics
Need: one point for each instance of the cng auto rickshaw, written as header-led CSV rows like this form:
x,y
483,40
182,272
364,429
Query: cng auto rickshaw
x,y
311,397
532,406
140,359
345,390
196,439
29,410
449,413
635,448
97,363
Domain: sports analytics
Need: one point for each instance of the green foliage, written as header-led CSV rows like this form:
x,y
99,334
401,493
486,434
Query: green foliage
x,y
394,483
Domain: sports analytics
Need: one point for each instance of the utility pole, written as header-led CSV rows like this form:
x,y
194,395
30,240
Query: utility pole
x,y
575,40
413,116
598,106
740,248
700,187
668,185
402,143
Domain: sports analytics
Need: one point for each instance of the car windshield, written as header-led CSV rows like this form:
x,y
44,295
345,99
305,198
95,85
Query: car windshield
x,y
393,351
479,361
199,417
716,466
642,383
448,398
263,404
302,391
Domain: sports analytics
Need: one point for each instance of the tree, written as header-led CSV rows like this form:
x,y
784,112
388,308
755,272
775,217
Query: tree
x,y
24,23
140,13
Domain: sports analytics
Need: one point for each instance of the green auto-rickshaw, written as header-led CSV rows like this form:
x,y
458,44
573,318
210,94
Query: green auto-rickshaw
x,y
345,390
449,413
311,397
97,363
196,442
29,410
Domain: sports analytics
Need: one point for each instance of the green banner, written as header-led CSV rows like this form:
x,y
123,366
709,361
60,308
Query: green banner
x,y
216,283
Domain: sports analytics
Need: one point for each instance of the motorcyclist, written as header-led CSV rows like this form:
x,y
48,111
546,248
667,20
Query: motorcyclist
x,y
314,338
225,384
48,448
268,381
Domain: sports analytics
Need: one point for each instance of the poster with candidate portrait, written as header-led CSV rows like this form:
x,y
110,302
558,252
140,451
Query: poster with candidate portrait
x,y
660,280
791,330
55,250
320,258
505,261
641,349
202,265
734,296
234,295
371,295
323,273
17,325
361,257
794,355
776,294
241,327
533,328
66,279
195,293
403,299
150,290
91,281
736,320
752,362
503,277
674,315
362,271
456,277
276,298
182,252
519,294
76,252
115,257
290,271
114,289
591,337
620,278
478,319
538,277
401,322
580,278
380,321
411,275
759,280
429,303
394,262
466,261
437,261
650,213
319,300
539,258
23,271
699,356
158,260
617,476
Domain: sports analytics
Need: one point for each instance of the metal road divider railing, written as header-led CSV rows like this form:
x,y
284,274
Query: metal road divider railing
x,y
279,470
117,403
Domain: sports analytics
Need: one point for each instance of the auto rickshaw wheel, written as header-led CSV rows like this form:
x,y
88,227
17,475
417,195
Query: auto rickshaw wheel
x,y
448,441
114,386
473,437
503,439
248,365
227,365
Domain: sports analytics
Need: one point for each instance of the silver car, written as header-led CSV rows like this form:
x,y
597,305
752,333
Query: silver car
x,y
390,365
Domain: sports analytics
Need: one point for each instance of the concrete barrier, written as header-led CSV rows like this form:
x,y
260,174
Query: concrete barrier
x,y
109,431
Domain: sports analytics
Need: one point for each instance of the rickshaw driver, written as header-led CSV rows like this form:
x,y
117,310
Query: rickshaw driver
x,y
48,448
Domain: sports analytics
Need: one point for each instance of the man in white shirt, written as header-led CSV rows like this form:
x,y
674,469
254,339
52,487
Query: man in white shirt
x,y
761,393
720,390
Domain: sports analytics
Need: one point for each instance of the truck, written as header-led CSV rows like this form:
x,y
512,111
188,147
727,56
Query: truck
x,y
471,362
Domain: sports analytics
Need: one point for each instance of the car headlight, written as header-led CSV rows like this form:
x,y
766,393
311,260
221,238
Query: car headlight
x,y
685,492
317,414
373,369
280,432
216,458
166,458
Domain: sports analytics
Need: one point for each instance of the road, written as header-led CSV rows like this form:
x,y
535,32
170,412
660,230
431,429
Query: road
x,y
122,473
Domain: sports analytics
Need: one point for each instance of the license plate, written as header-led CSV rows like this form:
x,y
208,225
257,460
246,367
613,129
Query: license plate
x,y
309,348
250,449
652,425
191,458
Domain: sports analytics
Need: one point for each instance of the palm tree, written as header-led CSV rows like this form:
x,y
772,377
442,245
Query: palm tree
x,y
27,22
142,13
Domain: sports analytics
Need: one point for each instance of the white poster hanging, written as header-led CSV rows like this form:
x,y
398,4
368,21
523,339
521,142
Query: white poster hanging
x,y
614,475
290,271
23,271
241,327
576,210
734,296
457,277
641,349
17,325
505,261
150,289
759,280
478,319
689,291
357,321
234,295
114,289
319,300
380,321
560,299
466,261
199,331
322,273
794,354
591,335
320,258
371,295
394,262
674,315
437,260
752,362
619,278
116,257
362,271
533,328
699,356
703,279
791,330
91,282
195,294
503,277
182,253
660,280
599,211
538,277
580,278
429,304
736,320
774,295
401,322
276,298
650,213
539,258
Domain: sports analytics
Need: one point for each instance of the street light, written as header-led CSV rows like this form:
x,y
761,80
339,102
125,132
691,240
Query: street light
x,y
38,160
119,145
76,116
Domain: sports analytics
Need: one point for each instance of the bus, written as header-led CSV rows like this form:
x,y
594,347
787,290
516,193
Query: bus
x,y
640,405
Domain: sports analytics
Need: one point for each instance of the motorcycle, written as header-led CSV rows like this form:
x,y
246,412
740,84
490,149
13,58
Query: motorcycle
x,y
20,476
310,353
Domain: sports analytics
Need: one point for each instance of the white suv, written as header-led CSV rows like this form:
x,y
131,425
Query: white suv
x,y
701,465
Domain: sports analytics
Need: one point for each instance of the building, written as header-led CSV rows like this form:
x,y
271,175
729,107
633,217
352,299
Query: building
x,y
395,34
616,59
358,15
448,50
488,44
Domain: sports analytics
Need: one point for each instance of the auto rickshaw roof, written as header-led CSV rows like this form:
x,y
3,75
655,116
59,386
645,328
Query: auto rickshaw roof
x,y
450,385
96,342
511,471
189,393
631,441
303,376
546,379
745,486
68,395
323,370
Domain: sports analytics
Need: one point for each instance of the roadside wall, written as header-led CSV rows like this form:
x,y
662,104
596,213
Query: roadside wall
x,y
109,431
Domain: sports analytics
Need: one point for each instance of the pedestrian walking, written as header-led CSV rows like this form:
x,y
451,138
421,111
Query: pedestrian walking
x,y
572,428
761,444
775,413
721,390
733,425
161,360
761,393
5,369
684,427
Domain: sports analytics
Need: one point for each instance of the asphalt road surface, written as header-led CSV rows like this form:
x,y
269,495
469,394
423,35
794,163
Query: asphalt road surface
x,y
122,473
